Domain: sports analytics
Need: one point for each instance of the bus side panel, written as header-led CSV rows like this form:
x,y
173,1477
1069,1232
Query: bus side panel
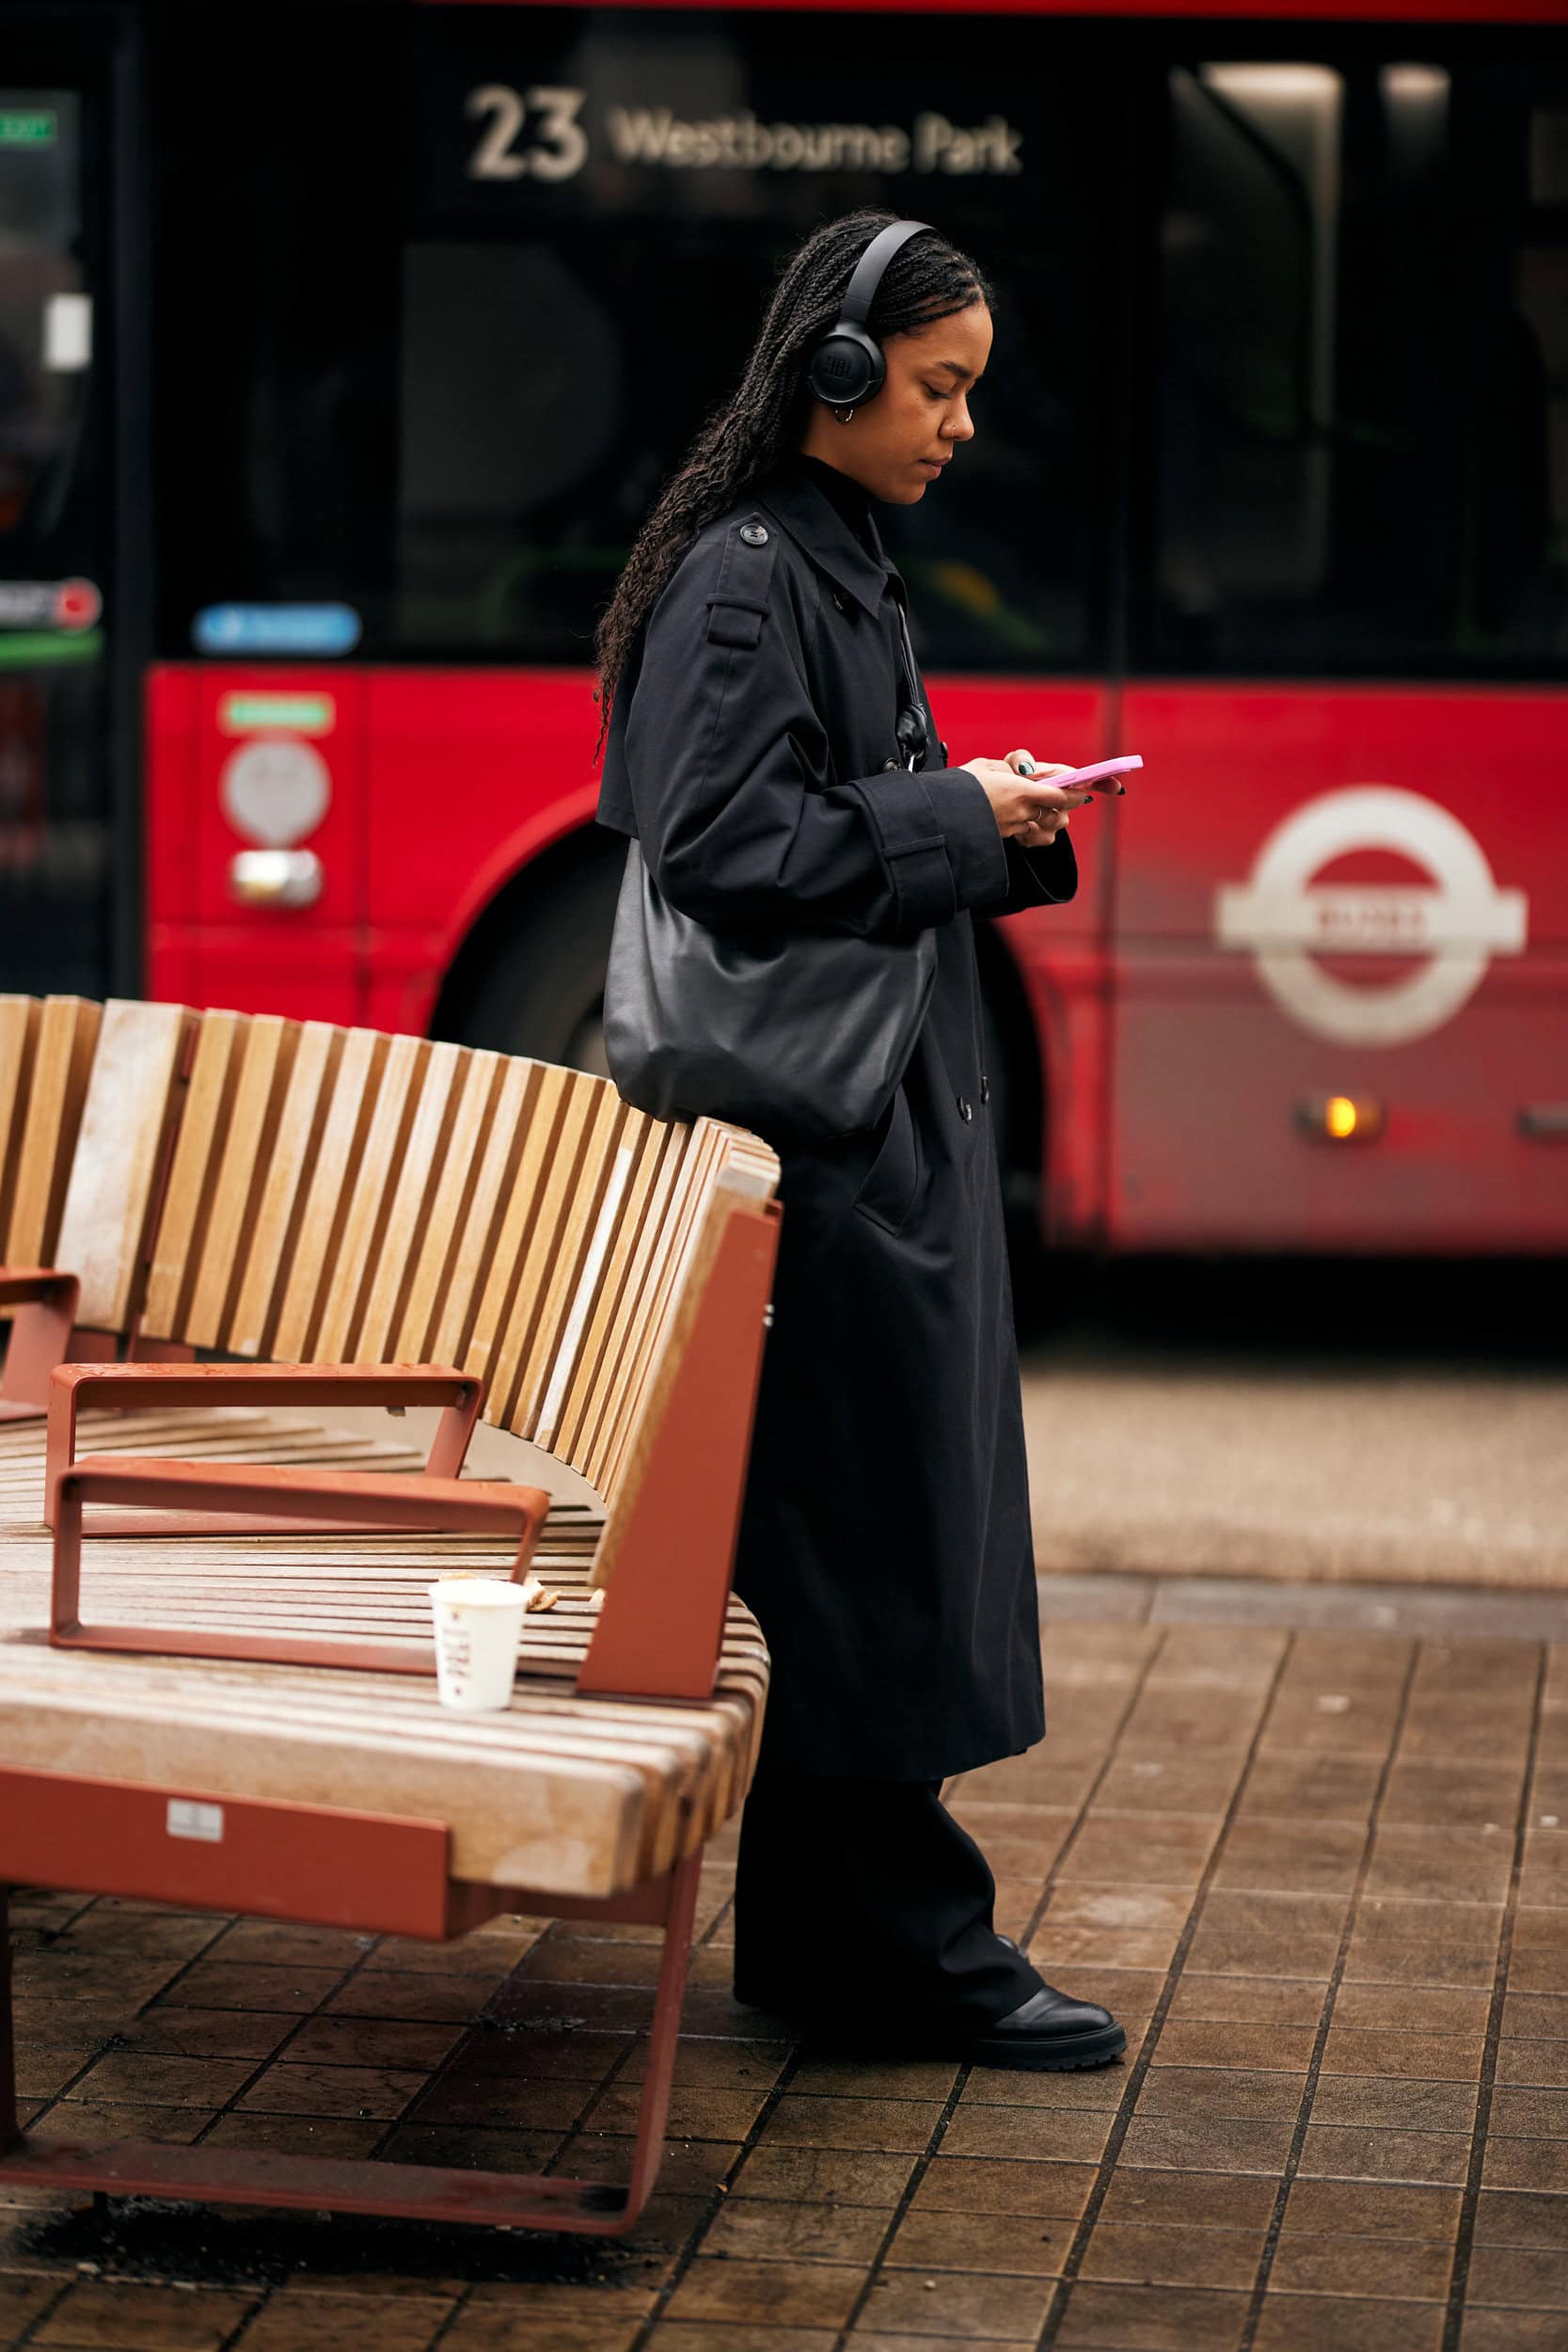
x,y
1357,893
252,759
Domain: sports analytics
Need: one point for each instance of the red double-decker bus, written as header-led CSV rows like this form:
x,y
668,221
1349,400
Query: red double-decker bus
x,y
344,346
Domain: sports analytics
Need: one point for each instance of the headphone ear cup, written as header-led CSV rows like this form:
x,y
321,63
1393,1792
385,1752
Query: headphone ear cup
x,y
846,368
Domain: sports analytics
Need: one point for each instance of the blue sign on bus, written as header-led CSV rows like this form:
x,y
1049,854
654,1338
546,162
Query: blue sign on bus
x,y
313,628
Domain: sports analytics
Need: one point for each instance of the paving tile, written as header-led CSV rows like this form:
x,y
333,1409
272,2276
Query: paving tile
x,y
1164,2256
406,1993
1150,2319
870,2078
1540,2016
845,2175
1050,2134
1542,2063
321,2323
173,2082
692,2336
774,2229
1400,1942
1387,2103
22,2297
1077,2086
1540,1955
969,2305
299,2134
1513,2331
873,2339
1413,2009
1320,2323
1248,2000
1143,2198
1310,1787
232,1984
212,2033
1416,2269
1341,2208
1342,2152
118,2312
1206,2143
373,2041
693,2114
1001,2244
1297,1857
689,2166
1516,2218
90,2123
1523,2275
984,2185
1282,2049
1462,1795
1261,2095
1112,1851
796,2294
886,2124
1536,2164
1130,1928
1267,1935
1439,2058
1166,1783
355,2090
490,2328
1442,1862
505,2102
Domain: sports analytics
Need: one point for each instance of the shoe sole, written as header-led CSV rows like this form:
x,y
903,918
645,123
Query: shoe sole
x,y
1045,2054
1049,2053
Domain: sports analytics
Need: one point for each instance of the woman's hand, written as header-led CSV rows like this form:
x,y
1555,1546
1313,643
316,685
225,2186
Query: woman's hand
x,y
1028,810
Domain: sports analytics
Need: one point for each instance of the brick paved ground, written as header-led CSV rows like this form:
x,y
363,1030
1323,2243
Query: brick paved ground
x,y
1320,1872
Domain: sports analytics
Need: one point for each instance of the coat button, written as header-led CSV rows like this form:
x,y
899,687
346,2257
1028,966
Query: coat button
x,y
966,1110
985,1087
754,535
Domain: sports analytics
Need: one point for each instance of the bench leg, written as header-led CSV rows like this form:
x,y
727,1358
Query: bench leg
x,y
231,2176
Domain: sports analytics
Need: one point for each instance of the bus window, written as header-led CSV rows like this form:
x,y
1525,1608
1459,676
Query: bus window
x,y
1360,462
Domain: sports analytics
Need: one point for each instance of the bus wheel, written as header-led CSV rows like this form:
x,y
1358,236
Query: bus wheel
x,y
540,989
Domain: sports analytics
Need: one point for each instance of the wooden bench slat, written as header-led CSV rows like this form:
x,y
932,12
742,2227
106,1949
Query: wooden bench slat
x,y
57,1085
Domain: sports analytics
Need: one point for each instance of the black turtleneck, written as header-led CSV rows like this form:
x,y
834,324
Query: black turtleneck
x,y
851,500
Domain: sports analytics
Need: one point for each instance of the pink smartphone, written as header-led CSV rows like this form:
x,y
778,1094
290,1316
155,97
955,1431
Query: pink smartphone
x,y
1076,777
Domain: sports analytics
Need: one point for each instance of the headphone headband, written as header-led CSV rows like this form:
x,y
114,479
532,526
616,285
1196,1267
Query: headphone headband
x,y
848,368
861,290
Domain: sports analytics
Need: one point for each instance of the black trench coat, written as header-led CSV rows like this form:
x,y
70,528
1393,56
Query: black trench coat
x,y
885,1543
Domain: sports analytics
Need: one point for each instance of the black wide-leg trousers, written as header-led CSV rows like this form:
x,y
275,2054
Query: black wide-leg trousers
x,y
865,1899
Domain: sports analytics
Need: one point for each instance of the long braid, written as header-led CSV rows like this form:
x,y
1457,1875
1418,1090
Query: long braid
x,y
928,278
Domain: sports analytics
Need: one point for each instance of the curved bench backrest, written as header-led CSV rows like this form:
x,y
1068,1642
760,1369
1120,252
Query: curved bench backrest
x,y
342,1196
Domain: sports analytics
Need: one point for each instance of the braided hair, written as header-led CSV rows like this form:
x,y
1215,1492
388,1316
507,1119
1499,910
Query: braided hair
x,y
928,278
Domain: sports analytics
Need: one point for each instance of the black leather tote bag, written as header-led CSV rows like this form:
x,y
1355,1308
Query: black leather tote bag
x,y
794,1033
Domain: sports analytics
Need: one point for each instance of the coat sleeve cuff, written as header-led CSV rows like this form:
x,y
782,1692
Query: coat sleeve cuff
x,y
938,839
1036,878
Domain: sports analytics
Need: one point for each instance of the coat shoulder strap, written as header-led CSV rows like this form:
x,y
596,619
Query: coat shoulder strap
x,y
738,605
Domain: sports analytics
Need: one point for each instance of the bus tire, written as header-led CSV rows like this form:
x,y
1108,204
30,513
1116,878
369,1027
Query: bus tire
x,y
538,988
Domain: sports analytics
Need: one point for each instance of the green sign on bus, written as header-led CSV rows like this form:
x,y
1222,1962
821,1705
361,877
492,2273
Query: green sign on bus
x,y
32,126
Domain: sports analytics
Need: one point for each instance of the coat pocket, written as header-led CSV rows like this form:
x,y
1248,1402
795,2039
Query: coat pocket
x,y
887,1194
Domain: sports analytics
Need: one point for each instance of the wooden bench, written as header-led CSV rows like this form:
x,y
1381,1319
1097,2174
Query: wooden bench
x,y
216,1659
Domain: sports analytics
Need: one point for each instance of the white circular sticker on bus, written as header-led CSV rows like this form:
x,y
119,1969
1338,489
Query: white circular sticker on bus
x,y
275,789
1455,923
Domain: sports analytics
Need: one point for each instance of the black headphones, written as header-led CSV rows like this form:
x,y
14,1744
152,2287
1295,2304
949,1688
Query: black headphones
x,y
848,366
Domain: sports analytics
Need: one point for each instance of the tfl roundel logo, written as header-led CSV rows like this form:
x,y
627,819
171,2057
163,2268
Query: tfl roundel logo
x,y
1454,922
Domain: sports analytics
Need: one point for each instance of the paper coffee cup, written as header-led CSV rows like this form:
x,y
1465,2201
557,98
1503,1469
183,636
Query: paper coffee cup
x,y
479,1624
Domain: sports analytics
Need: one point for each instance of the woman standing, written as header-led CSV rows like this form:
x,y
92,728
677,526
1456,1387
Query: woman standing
x,y
772,749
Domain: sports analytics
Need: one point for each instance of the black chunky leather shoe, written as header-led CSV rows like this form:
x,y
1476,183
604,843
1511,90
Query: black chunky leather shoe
x,y
1050,2033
